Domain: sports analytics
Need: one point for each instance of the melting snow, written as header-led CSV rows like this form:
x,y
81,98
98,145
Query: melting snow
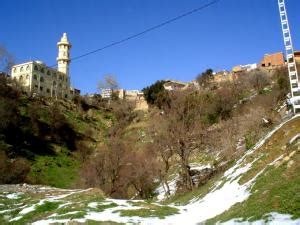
x,y
219,199
14,195
273,219
294,139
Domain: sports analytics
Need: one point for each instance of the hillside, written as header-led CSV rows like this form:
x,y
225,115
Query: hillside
x,y
263,185
45,141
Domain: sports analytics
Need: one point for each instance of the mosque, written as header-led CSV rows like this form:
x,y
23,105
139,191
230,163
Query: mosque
x,y
36,78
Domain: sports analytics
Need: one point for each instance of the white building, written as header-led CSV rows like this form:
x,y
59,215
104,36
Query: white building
x,y
38,79
106,93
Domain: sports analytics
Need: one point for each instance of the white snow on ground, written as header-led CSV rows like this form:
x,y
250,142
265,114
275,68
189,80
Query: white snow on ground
x,y
273,219
41,202
297,136
14,195
225,194
161,191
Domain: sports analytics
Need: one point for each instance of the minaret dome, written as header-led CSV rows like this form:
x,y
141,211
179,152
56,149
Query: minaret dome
x,y
63,58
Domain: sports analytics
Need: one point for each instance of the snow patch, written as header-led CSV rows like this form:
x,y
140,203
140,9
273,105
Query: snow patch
x,y
297,136
14,195
273,219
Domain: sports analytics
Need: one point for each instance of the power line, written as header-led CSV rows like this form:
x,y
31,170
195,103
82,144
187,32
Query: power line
x,y
146,30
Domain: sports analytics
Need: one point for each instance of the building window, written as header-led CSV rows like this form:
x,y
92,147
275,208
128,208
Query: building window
x,y
60,77
15,70
60,85
36,86
42,79
54,75
66,96
35,77
48,90
27,76
48,73
21,78
21,69
41,88
42,70
36,68
294,85
54,83
27,68
53,92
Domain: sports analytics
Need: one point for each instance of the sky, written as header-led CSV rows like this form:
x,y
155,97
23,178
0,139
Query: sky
x,y
229,33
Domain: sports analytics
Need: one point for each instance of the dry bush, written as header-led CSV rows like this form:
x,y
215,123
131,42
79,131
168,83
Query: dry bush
x,y
117,170
13,171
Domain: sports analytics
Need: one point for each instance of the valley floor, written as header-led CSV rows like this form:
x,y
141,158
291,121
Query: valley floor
x,y
262,187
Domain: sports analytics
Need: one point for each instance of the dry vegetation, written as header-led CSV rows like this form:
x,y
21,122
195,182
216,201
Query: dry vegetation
x,y
180,126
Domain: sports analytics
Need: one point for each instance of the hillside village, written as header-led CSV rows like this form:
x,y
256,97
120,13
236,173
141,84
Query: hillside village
x,y
223,148
38,79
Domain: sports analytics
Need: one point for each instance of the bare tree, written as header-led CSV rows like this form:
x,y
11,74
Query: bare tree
x,y
184,130
6,60
108,82
258,80
163,147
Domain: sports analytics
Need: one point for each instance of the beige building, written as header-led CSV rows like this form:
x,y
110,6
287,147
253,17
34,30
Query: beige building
x,y
223,76
38,79
297,57
175,85
136,97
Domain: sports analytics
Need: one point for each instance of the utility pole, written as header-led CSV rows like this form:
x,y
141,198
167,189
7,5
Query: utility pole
x,y
292,68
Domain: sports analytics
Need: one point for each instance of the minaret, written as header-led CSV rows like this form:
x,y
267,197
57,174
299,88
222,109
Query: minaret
x,y
63,59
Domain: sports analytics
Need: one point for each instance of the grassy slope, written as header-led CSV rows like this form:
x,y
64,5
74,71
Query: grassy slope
x,y
77,204
61,170
278,188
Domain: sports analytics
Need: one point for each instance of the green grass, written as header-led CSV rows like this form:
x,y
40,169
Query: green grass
x,y
154,211
59,171
41,211
76,215
276,190
102,207
93,222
